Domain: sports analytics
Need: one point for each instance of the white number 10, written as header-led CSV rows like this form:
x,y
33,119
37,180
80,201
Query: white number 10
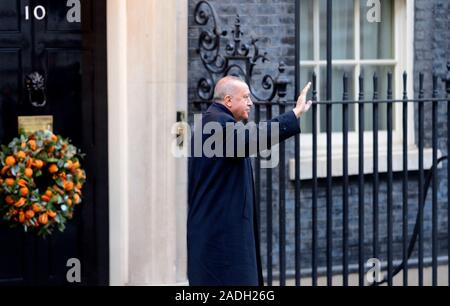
x,y
73,14
38,12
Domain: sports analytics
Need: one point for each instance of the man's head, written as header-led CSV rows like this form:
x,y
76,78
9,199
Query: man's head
x,y
235,95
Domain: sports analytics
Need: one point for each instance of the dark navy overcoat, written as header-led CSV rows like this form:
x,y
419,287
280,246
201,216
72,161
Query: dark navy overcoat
x,y
222,238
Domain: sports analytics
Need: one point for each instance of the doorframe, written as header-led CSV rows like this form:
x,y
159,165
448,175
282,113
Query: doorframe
x,y
148,64
96,230
118,141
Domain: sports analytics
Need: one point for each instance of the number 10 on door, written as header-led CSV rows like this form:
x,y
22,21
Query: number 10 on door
x,y
73,13
38,12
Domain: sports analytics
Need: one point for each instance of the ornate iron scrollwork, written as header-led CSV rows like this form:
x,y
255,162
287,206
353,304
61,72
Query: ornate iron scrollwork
x,y
35,84
239,58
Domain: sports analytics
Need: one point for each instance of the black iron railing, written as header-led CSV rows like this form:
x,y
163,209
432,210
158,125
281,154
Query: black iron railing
x,y
409,241
271,184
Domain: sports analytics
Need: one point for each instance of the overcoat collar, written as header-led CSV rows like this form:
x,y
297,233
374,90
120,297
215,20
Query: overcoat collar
x,y
221,107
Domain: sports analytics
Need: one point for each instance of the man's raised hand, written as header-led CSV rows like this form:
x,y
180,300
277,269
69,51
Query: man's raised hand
x,y
302,105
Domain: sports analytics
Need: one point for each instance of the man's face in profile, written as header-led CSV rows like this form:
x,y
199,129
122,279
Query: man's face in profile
x,y
241,102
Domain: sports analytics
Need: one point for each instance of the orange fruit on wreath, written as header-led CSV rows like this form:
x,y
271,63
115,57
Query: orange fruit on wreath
x,y
29,214
24,191
53,169
5,169
38,163
80,174
43,219
20,203
29,172
69,165
10,181
37,208
68,186
21,217
22,183
9,200
32,144
10,161
76,165
51,213
21,155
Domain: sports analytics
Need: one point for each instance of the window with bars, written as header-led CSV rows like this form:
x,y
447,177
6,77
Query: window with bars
x,y
358,47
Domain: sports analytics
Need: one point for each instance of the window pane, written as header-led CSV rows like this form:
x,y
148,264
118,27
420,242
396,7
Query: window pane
x,y
306,120
342,32
381,71
377,37
306,30
338,88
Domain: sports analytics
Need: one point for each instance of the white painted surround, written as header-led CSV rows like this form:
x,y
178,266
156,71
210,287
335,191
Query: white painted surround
x,y
147,84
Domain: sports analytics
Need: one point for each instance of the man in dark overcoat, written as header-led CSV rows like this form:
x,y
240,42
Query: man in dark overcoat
x,y
222,237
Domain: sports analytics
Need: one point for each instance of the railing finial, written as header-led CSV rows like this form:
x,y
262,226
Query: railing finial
x,y
281,83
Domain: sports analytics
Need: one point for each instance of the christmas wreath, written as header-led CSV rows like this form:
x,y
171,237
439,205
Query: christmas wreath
x,y
40,182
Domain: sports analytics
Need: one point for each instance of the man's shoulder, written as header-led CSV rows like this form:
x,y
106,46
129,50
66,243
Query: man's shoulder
x,y
217,114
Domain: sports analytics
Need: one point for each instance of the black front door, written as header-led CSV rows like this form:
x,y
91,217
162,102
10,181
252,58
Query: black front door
x,y
64,42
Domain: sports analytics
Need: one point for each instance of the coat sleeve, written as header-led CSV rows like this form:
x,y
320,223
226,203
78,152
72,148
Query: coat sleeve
x,y
247,140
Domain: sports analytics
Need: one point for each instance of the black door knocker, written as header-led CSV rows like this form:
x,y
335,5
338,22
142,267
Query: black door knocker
x,y
35,84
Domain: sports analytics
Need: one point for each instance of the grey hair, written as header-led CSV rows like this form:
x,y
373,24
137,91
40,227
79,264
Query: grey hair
x,y
226,86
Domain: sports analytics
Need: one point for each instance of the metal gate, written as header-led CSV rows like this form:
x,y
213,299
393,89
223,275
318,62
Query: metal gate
x,y
371,252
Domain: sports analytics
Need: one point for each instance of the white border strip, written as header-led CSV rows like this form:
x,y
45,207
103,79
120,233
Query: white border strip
x,y
117,139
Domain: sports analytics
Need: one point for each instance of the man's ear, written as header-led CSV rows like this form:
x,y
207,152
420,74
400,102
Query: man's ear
x,y
227,101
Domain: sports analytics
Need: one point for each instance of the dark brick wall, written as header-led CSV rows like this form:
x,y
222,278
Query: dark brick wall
x,y
431,54
270,21
273,22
